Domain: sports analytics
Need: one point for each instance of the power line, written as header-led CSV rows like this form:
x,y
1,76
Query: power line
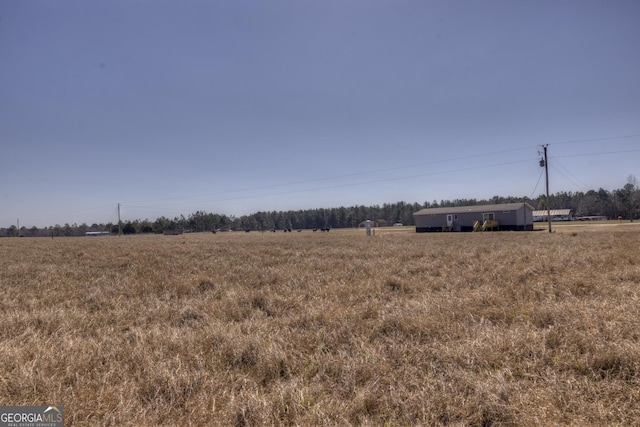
x,y
333,177
331,187
566,177
538,182
71,215
206,199
408,166
603,153
604,138
581,185
377,181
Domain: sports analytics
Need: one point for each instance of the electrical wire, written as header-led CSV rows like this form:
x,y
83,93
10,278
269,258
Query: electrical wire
x,y
602,153
334,177
566,177
369,182
559,163
211,197
377,171
538,182
604,138
206,198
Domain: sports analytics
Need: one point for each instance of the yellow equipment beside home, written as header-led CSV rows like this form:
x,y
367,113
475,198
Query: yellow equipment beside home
x,y
489,224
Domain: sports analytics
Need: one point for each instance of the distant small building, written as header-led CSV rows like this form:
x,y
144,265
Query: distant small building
x,y
556,215
507,216
374,223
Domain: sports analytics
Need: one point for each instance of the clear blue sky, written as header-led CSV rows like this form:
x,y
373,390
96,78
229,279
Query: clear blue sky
x,y
169,107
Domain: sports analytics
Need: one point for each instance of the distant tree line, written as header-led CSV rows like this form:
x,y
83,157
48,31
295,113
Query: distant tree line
x,y
624,202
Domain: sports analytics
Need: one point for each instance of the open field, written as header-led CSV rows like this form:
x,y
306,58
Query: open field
x,y
585,225
242,329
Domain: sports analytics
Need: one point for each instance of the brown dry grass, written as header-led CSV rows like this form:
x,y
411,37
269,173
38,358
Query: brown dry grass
x,y
325,329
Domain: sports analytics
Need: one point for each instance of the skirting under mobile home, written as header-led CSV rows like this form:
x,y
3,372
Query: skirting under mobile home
x,y
508,216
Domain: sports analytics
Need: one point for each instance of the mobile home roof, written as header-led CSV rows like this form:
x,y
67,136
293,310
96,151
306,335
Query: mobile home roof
x,y
554,212
476,208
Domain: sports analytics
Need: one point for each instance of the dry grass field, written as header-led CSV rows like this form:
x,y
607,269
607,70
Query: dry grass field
x,y
252,329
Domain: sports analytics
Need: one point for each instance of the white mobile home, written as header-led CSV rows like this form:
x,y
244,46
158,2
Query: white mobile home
x,y
556,215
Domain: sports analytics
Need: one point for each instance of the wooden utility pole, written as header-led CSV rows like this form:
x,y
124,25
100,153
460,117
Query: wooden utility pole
x,y
546,171
120,222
